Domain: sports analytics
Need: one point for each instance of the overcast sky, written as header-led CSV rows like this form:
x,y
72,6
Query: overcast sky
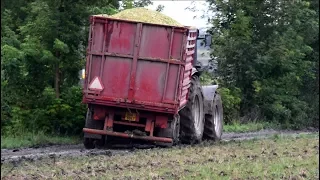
x,y
177,10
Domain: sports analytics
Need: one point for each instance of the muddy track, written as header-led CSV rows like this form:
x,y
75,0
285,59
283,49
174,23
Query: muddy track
x,y
31,154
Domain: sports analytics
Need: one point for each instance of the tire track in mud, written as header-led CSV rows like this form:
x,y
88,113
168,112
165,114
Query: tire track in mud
x,y
58,151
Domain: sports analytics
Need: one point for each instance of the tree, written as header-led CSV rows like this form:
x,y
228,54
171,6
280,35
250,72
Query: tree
x,y
142,3
160,8
129,4
263,48
43,47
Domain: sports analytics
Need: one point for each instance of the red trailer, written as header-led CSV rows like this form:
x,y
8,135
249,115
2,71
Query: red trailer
x,y
141,83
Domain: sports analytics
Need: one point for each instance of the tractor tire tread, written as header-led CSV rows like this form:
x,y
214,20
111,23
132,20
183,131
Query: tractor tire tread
x,y
187,129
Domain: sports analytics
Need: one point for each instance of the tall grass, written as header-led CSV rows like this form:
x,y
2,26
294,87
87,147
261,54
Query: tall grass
x,y
35,139
238,127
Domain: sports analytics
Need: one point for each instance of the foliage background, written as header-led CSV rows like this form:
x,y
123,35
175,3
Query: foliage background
x,y
268,60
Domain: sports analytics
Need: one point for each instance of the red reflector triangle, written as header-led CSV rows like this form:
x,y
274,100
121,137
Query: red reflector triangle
x,y
96,84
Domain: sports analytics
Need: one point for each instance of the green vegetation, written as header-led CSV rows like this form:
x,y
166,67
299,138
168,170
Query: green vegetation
x,y
206,79
268,60
36,139
249,127
281,158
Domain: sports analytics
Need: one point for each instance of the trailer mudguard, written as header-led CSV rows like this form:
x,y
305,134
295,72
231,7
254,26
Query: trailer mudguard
x,y
208,94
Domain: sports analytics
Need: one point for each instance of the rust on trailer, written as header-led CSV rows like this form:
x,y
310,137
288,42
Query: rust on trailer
x,y
109,121
125,135
161,121
99,113
148,125
151,128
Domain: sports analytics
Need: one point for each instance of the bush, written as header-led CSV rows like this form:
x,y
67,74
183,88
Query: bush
x,y
50,115
206,79
231,99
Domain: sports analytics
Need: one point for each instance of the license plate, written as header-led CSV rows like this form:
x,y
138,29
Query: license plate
x,y
130,116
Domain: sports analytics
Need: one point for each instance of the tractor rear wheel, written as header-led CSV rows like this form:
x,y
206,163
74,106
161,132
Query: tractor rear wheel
x,y
214,120
192,115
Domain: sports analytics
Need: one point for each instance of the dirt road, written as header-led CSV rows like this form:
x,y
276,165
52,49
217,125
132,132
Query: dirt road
x,y
16,155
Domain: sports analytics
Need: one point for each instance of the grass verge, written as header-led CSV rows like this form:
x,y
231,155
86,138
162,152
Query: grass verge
x,y
274,158
248,127
38,139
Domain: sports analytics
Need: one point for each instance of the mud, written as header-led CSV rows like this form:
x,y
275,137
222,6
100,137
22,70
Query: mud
x,y
58,151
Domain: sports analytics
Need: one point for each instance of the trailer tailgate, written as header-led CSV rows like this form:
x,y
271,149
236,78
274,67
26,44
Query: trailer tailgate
x,y
135,65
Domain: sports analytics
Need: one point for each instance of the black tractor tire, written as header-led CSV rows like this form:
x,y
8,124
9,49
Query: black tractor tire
x,y
192,115
92,141
214,120
172,131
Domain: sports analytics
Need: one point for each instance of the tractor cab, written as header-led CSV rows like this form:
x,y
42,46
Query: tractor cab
x,y
203,47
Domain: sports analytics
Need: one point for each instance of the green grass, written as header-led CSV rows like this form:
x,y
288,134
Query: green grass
x,y
248,127
38,139
281,158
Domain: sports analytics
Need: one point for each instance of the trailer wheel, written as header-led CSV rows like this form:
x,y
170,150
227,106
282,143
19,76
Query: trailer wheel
x,y
172,131
88,143
214,120
91,141
192,115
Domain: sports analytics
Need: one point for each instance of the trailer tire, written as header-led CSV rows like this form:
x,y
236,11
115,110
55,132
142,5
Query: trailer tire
x,y
88,143
92,141
214,120
192,115
172,131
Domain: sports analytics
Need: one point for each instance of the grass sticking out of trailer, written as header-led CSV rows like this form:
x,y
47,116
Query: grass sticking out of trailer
x,y
275,158
144,15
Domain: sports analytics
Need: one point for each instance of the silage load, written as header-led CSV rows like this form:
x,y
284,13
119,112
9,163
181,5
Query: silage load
x,y
144,15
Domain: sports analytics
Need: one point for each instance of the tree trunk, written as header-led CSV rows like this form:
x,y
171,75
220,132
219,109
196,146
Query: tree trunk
x,y
57,80
57,76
